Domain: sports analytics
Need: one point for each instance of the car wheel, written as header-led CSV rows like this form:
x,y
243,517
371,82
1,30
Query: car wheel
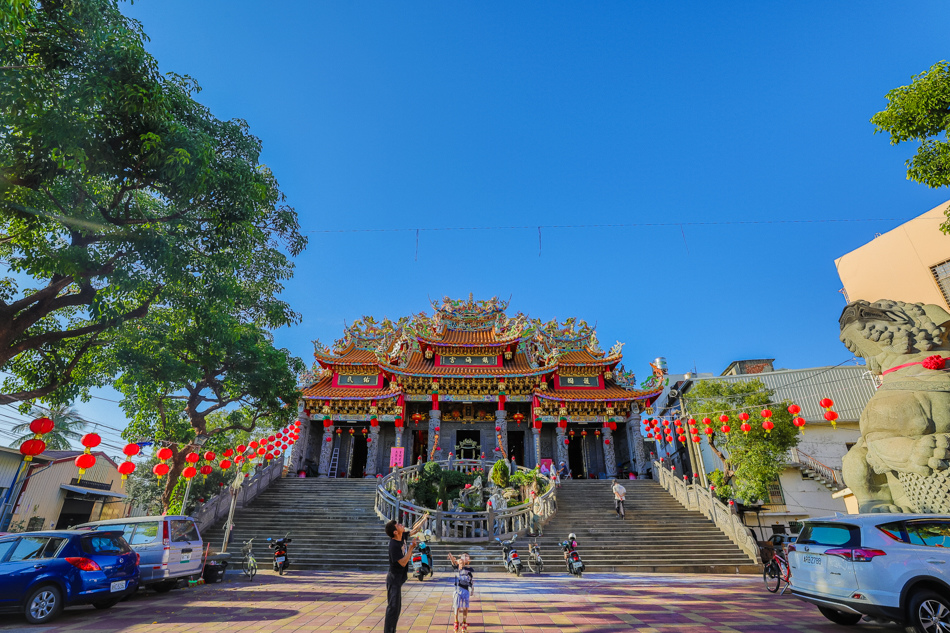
x,y
43,605
840,617
929,612
106,604
165,587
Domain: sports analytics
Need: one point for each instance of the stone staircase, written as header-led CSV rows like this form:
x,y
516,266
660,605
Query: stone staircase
x,y
333,526
830,478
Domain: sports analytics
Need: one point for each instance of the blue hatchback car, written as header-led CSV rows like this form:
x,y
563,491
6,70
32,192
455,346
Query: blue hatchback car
x,y
41,573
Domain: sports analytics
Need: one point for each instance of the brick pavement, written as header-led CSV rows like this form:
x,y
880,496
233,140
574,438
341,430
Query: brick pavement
x,y
325,602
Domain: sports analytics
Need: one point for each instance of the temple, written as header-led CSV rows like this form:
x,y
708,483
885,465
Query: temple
x,y
471,383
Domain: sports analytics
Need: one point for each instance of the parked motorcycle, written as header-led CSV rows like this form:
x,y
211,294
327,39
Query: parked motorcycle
x,y
422,558
510,555
281,561
534,557
573,560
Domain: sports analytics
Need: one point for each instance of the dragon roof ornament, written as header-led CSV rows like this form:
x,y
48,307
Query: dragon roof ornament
x,y
369,334
459,314
571,336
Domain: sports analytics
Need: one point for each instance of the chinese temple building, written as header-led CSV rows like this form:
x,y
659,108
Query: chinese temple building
x,y
471,383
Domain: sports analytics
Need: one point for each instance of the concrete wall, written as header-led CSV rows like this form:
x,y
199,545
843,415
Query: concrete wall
x,y
896,265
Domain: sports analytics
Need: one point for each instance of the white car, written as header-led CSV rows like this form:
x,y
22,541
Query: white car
x,y
888,566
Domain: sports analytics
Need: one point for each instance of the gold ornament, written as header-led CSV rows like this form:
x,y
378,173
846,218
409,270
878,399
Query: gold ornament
x,y
562,411
537,412
429,354
373,410
608,375
610,411
325,411
507,355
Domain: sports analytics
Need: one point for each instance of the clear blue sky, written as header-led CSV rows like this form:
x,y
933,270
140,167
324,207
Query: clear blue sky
x,y
386,115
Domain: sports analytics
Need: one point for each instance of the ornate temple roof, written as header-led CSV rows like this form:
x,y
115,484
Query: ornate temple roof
x,y
473,339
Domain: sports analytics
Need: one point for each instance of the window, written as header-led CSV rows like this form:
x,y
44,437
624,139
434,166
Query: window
x,y
830,534
144,533
125,528
109,543
775,493
184,531
5,547
929,533
36,547
941,273
894,531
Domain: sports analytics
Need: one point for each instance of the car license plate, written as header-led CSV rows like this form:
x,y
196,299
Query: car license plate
x,y
186,558
812,560
279,559
118,585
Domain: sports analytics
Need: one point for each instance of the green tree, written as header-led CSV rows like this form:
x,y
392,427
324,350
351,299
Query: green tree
x,y
193,371
499,473
67,427
754,460
116,188
920,112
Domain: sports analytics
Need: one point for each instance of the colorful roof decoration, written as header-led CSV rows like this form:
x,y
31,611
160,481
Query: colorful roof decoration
x,y
473,340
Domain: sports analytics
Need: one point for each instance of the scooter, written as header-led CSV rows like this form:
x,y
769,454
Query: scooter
x,y
510,554
534,557
281,561
573,560
422,558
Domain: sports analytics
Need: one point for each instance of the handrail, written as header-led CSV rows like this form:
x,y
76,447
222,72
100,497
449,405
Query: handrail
x,y
457,526
697,497
217,507
797,456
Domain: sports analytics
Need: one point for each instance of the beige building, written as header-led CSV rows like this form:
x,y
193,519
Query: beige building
x,y
910,263
54,497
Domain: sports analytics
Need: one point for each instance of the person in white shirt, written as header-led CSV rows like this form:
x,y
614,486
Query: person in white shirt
x,y
619,492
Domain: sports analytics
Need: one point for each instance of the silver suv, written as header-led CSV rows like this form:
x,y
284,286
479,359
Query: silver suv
x,y
887,566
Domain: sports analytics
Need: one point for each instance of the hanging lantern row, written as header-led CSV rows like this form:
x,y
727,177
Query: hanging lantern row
x,y
87,460
35,446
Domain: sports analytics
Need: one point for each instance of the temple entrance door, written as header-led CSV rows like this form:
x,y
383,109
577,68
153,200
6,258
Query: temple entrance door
x,y
469,444
420,447
516,446
575,457
358,467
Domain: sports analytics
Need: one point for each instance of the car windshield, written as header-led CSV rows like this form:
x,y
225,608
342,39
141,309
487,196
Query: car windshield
x,y
107,543
830,534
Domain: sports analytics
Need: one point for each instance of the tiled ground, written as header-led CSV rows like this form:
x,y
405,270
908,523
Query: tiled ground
x,y
324,602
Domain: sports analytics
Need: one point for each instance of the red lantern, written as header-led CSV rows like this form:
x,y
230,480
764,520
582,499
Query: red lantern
x,y
766,413
164,453
263,451
612,426
696,438
228,453
160,470
365,431
239,459
253,445
800,423
206,470
768,425
827,403
209,456
327,423
726,428
374,422
677,423
584,433
241,449
723,418
192,458
708,431
90,440
270,440
562,423
518,418
189,472
225,464
42,426
131,450
417,418
84,462
744,416
745,427
794,409
31,448
126,469
571,433
691,422
269,456
707,421
694,431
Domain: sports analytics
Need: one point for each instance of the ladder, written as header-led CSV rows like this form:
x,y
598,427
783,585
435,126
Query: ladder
x,y
334,460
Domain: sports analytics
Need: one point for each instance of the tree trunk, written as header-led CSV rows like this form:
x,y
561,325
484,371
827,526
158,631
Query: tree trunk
x,y
177,464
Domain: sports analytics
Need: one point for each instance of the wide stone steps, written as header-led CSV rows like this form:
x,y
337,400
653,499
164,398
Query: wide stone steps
x,y
333,527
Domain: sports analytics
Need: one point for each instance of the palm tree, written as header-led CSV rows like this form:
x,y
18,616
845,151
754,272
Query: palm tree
x,y
67,426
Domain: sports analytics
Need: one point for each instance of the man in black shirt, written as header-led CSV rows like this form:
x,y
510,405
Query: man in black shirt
x,y
400,553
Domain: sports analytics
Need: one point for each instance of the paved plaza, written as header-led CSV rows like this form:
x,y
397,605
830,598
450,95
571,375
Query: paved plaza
x,y
329,601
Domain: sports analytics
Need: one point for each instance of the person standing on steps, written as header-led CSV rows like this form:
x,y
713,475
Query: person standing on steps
x,y
400,553
619,492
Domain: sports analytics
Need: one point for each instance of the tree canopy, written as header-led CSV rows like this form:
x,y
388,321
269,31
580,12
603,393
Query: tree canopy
x,y
753,461
67,427
117,189
920,112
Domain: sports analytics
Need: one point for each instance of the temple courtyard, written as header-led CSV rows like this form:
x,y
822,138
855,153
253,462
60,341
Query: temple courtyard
x,y
332,601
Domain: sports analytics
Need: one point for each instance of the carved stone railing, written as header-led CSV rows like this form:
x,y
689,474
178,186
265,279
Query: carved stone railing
x,y
696,497
458,526
209,513
803,460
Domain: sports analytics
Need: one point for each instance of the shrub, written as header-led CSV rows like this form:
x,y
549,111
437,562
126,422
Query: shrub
x,y
499,473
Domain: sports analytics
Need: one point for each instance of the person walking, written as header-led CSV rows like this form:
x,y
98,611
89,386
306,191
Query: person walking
x,y
619,492
400,553
464,585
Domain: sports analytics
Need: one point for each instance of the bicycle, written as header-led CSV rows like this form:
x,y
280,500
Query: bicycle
x,y
776,570
249,564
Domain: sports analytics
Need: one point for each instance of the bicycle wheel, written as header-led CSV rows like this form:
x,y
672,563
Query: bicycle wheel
x,y
770,574
246,566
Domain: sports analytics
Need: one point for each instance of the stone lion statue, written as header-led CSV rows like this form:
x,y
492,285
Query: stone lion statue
x,y
902,461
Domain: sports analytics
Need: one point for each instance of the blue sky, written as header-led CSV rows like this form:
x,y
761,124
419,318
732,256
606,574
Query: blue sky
x,y
396,116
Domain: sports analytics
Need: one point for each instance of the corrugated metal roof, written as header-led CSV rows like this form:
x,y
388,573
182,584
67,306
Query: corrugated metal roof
x,y
850,387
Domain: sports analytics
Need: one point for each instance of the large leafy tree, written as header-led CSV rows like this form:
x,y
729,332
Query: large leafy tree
x,y
920,112
195,370
750,461
67,427
116,188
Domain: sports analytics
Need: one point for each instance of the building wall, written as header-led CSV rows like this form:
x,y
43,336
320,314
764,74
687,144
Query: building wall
x,y
42,496
896,265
